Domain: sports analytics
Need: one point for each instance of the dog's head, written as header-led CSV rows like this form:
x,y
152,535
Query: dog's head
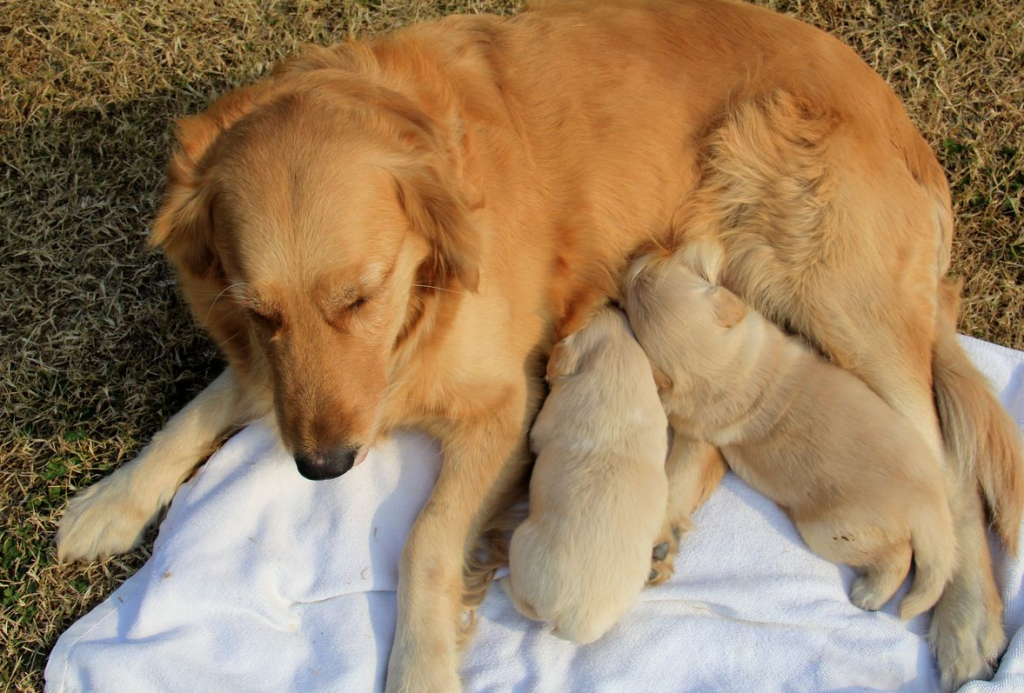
x,y
311,220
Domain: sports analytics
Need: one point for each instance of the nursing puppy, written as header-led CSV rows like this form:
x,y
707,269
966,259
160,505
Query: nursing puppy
x,y
855,477
598,490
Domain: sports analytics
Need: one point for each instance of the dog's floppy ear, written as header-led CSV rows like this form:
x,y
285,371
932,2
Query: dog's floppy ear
x,y
430,186
729,309
435,209
183,227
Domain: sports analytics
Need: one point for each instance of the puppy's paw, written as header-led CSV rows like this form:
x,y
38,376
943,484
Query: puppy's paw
x,y
103,520
866,594
663,555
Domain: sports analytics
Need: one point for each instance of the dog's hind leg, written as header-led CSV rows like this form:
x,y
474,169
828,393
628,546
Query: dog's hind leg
x,y
694,469
111,516
966,630
985,450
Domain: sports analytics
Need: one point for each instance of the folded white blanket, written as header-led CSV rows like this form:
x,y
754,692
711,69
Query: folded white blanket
x,y
263,581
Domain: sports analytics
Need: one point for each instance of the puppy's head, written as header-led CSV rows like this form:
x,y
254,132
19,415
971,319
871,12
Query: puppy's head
x,y
679,317
314,220
571,355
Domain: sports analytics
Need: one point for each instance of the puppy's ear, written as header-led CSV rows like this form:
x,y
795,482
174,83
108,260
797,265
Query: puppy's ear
x,y
663,382
183,227
435,209
729,309
564,360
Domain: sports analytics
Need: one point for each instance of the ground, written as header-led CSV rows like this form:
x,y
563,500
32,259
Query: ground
x,y
96,349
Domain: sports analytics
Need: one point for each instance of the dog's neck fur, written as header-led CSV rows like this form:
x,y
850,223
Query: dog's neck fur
x,y
468,89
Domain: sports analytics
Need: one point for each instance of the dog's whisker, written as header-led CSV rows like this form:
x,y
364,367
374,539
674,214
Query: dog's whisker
x,y
439,288
229,339
222,291
218,296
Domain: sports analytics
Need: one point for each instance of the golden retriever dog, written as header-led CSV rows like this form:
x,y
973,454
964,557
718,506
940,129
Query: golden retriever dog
x,y
598,487
394,232
855,477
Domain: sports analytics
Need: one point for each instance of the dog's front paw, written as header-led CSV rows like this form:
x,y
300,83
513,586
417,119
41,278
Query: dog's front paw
x,y
103,520
663,555
422,685
408,673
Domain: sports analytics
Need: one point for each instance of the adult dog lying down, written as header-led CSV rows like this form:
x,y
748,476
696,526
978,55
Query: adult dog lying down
x,y
392,233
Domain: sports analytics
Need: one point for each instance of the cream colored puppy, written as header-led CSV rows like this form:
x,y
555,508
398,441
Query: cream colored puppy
x,y
855,477
598,492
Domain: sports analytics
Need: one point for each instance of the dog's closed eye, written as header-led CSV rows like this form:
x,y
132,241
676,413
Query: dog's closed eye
x,y
267,319
339,310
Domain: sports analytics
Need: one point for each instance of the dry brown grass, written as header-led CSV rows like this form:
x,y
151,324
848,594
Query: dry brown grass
x,y
95,346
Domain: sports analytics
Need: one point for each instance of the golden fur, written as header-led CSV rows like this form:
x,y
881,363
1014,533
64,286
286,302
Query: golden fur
x,y
393,233
854,476
598,488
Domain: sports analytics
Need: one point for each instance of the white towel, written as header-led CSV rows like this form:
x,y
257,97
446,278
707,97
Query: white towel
x,y
263,581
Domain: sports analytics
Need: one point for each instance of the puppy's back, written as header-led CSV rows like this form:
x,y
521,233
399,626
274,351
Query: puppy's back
x,y
598,493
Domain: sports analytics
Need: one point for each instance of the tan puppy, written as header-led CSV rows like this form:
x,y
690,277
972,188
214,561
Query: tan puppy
x,y
598,490
855,477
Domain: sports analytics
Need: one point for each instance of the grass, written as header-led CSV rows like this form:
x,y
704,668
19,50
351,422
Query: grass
x,y
96,348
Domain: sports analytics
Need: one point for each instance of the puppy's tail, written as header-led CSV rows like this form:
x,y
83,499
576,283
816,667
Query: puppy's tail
x,y
934,544
981,438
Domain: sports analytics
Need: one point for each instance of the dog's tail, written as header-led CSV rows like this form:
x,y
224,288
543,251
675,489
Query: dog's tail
x,y
982,440
934,544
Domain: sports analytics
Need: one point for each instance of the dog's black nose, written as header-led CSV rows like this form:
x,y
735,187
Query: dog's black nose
x,y
326,465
